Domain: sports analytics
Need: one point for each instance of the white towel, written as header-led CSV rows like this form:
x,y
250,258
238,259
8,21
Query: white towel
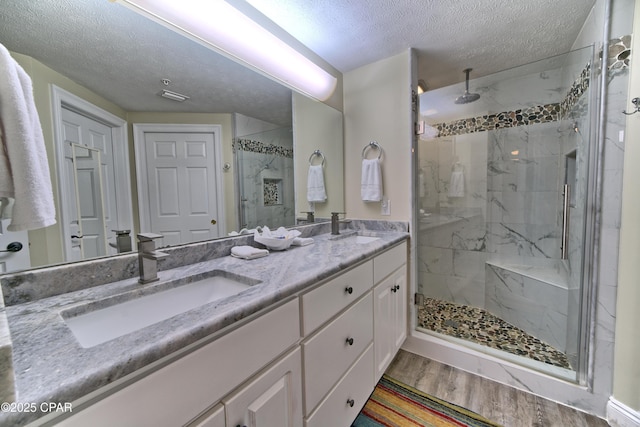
x,y
248,252
302,241
315,184
456,186
371,185
24,169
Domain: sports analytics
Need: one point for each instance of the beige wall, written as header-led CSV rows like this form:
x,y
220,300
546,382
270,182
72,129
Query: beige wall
x,y
317,126
626,378
377,107
225,120
46,243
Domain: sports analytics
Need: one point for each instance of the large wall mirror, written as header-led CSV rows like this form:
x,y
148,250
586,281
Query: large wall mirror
x,y
99,71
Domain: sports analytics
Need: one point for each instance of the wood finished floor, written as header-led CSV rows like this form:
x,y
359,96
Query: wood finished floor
x,y
499,403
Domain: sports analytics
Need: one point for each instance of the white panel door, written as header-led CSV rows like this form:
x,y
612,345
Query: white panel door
x,y
82,130
182,192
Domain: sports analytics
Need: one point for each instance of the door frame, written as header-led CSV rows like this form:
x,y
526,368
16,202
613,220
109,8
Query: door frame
x,y
60,99
139,130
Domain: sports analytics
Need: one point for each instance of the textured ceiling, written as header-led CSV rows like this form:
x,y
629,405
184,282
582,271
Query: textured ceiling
x,y
123,56
449,35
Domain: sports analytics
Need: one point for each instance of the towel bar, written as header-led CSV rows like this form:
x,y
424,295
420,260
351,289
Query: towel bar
x,y
316,153
372,144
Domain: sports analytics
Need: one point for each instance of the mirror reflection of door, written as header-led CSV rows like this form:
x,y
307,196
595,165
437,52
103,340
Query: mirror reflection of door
x,y
89,198
183,189
87,211
10,258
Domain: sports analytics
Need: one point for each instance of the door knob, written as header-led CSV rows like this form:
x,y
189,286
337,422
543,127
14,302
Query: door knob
x,y
13,247
214,222
350,341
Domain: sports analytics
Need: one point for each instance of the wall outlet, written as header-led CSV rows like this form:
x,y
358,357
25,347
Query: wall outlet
x,y
385,206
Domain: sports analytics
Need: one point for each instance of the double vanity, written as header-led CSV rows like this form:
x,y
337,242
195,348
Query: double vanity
x,y
299,337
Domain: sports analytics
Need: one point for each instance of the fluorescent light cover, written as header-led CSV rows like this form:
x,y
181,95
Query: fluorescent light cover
x,y
220,26
175,96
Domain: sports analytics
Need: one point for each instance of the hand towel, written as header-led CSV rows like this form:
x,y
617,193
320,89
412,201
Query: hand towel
x,y
302,241
315,184
371,184
24,168
248,252
456,186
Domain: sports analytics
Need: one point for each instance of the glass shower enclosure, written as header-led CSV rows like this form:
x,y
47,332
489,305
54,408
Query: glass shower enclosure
x,y
264,179
501,187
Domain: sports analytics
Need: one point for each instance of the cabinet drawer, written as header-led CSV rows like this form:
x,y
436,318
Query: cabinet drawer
x,y
322,303
355,387
178,392
387,262
329,353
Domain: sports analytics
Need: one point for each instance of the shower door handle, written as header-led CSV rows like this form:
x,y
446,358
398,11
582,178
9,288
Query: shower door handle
x,y
564,248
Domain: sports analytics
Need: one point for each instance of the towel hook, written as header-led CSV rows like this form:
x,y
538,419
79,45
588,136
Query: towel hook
x,y
636,103
372,144
314,154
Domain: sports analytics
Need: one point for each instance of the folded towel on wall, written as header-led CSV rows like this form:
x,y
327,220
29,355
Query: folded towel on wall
x,y
24,168
371,184
248,252
456,186
315,184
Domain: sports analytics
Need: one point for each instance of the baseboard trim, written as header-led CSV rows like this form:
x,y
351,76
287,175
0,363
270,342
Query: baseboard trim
x,y
620,415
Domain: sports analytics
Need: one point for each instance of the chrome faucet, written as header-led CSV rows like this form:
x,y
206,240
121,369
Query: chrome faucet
x,y
310,217
148,257
335,223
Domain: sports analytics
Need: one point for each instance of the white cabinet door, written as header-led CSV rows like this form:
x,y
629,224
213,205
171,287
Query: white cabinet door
x,y
272,399
213,418
400,309
389,318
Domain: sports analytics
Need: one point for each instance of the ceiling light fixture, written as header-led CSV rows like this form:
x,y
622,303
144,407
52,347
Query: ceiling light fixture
x,y
223,28
175,96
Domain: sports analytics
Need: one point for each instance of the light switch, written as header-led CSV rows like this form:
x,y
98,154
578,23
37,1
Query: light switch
x,y
385,206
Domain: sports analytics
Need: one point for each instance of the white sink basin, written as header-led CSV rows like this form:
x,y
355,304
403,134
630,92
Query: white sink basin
x,y
360,238
365,239
95,324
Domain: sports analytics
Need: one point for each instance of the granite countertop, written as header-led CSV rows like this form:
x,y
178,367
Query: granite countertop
x,y
51,366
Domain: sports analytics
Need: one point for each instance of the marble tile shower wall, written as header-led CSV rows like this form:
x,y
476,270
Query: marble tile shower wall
x,y
265,170
513,176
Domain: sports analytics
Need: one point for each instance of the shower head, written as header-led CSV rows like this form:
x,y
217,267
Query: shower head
x,y
467,97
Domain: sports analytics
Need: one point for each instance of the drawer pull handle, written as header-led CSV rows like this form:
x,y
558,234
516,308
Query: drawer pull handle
x,y
351,402
395,288
349,290
350,341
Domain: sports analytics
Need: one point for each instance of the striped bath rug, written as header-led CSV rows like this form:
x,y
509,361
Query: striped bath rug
x,y
394,404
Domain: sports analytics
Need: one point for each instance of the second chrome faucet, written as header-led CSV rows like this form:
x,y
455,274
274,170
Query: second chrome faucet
x,y
148,257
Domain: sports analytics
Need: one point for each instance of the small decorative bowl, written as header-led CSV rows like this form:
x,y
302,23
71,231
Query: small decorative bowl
x,y
274,243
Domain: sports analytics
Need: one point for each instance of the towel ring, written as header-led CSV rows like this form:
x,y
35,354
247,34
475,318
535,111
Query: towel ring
x,y
314,154
372,144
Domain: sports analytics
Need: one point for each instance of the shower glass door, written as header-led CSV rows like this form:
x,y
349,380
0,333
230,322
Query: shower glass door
x,y
264,165
501,190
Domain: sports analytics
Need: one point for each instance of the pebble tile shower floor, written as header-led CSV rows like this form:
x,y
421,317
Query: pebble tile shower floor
x,y
479,326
